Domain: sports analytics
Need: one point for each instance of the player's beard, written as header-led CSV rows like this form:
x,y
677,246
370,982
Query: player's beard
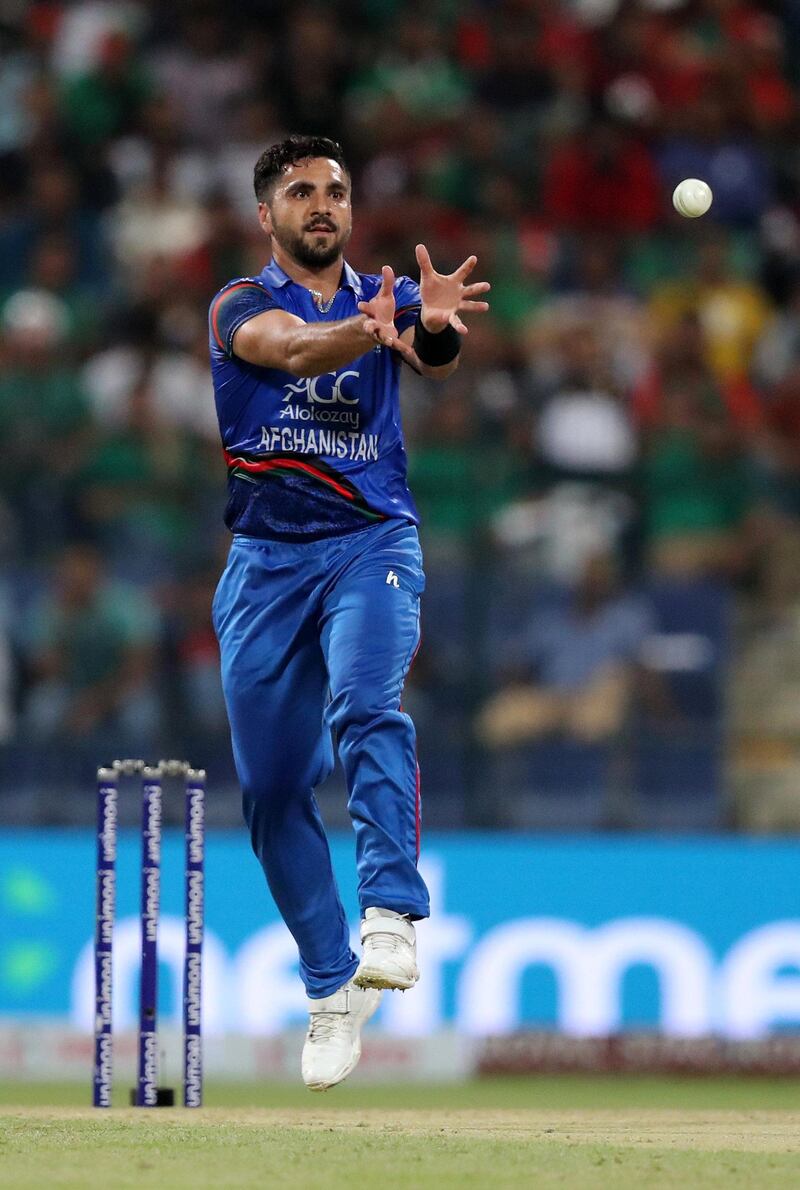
x,y
308,251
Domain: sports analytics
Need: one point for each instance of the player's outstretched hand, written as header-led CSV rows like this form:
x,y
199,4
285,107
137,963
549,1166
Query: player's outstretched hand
x,y
444,297
379,321
380,311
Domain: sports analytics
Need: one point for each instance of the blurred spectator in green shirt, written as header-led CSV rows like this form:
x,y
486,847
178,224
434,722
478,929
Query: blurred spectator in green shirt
x,y
458,476
89,647
139,487
106,101
696,485
44,417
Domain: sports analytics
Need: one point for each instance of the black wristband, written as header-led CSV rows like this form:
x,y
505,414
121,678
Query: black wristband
x,y
436,349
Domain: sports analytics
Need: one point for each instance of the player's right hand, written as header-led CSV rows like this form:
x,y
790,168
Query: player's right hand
x,y
379,310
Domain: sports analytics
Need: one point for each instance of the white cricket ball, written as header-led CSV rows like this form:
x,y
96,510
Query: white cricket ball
x,y
692,198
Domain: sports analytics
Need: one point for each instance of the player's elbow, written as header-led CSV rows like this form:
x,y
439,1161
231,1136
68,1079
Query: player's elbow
x,y
273,352
299,364
297,358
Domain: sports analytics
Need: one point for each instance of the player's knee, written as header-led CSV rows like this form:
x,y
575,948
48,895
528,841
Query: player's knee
x,y
265,807
359,713
353,708
283,779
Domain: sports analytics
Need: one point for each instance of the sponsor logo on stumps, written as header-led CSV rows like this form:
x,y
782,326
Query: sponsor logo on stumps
x,y
147,1091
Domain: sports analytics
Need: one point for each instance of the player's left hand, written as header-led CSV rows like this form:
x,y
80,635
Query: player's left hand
x,y
445,296
380,311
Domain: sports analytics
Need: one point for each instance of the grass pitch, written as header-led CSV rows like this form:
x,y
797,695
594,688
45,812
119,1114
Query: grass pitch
x,y
538,1132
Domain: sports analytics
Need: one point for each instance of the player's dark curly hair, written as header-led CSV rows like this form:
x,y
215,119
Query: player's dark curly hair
x,y
274,160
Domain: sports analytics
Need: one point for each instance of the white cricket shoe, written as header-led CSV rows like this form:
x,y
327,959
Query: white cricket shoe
x,y
389,958
333,1042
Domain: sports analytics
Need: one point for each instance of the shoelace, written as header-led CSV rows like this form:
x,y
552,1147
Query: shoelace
x,y
323,1025
387,941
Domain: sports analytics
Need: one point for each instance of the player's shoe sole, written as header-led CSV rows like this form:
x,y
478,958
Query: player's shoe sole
x,y
373,977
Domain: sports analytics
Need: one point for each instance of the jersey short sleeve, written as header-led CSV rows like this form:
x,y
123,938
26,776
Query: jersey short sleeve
x,y
235,305
407,303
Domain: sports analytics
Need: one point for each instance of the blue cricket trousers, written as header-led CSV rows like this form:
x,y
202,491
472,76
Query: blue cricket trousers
x,y
317,638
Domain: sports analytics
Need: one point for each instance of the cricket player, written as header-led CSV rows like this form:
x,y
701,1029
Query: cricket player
x,y
317,612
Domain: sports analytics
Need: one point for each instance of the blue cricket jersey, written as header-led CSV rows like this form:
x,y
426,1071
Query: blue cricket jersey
x,y
317,456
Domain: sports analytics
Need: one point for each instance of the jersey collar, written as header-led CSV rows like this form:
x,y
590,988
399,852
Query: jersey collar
x,y
274,275
351,280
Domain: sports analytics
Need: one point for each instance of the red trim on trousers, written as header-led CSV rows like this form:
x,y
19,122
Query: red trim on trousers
x,y
418,812
418,782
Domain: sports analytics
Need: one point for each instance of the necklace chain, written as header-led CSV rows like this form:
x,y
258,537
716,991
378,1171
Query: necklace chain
x,y
323,307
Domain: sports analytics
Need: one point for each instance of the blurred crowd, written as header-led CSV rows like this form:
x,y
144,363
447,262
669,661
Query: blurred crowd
x,y
624,423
